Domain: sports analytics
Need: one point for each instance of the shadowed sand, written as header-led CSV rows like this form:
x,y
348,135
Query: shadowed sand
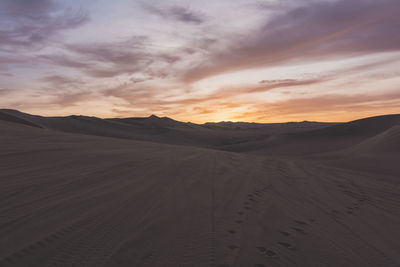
x,y
75,198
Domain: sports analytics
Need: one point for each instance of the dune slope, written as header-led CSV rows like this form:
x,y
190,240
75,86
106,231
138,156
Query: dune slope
x,y
320,140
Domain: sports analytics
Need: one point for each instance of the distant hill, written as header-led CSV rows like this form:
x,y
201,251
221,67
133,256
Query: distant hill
x,y
292,138
158,129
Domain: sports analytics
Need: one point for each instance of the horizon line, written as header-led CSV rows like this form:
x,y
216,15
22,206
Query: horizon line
x,y
223,121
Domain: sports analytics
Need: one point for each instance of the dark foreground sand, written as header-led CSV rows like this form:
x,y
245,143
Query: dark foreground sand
x,y
80,200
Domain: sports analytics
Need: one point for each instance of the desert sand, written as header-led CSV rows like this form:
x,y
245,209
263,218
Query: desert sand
x,y
84,191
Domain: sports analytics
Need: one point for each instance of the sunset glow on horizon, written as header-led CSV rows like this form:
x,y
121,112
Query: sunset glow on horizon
x,y
202,61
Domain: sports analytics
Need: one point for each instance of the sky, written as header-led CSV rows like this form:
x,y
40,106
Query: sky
x,y
202,60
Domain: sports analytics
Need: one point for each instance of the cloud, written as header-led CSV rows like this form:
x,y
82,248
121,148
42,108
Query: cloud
x,y
317,30
10,60
65,61
28,24
122,112
267,85
63,91
59,81
236,91
122,52
4,91
333,102
327,107
110,59
65,99
177,13
27,7
101,60
235,100
6,74
201,110
151,97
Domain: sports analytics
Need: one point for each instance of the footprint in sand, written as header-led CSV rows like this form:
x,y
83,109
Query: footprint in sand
x,y
284,233
233,247
300,222
264,251
286,245
298,230
349,210
270,253
261,249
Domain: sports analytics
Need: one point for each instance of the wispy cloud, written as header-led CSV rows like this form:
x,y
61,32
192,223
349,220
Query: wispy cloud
x,y
4,92
329,107
66,99
65,61
225,97
177,13
58,81
6,74
314,31
110,59
29,24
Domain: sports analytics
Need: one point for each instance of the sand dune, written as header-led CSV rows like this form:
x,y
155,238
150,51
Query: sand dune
x,y
162,130
6,116
321,140
378,154
68,198
385,142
